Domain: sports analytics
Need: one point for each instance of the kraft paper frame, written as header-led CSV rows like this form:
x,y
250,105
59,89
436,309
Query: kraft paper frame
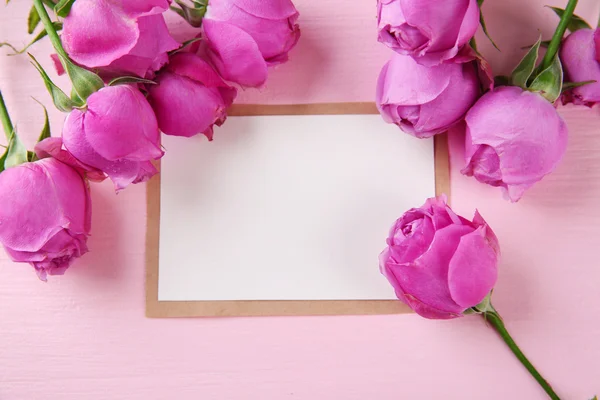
x,y
181,309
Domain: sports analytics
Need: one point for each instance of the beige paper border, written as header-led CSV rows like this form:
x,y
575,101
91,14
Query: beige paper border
x,y
170,309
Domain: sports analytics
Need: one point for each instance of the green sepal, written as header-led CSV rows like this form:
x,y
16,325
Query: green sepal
x,y
549,82
59,98
16,153
572,85
45,134
57,25
63,7
190,42
576,23
3,160
193,15
85,82
523,71
544,44
33,19
124,80
483,26
75,98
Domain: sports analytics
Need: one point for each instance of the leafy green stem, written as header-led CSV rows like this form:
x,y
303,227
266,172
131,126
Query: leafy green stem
x,y
5,118
50,29
558,35
492,316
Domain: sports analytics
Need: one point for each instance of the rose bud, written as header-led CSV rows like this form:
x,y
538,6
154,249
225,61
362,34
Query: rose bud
x,y
513,139
190,97
45,215
439,263
120,38
425,30
246,36
580,56
117,134
424,101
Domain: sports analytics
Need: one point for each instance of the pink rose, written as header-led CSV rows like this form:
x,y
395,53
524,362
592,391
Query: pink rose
x,y
190,97
514,138
424,101
246,36
117,134
120,37
45,215
439,263
580,56
427,30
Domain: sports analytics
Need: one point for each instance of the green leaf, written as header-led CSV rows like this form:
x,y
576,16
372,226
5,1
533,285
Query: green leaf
x,y
57,25
523,71
16,152
573,85
60,99
84,82
32,20
549,82
576,23
63,7
124,80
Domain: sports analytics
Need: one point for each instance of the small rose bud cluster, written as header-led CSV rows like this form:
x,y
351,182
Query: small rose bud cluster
x,y
131,80
436,80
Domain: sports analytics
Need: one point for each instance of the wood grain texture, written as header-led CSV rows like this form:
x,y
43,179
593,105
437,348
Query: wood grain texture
x,y
84,335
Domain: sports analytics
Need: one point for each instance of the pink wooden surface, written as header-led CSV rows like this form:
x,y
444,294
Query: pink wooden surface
x,y
84,336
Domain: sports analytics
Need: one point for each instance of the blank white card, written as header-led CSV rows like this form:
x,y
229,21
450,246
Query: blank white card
x,y
286,207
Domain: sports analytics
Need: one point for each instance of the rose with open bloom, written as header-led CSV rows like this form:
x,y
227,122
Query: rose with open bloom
x,y
246,36
439,263
45,215
190,97
427,30
422,100
513,139
120,37
117,134
580,56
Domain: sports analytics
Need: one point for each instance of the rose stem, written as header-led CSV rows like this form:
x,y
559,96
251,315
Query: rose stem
x,y
496,321
56,43
558,35
4,117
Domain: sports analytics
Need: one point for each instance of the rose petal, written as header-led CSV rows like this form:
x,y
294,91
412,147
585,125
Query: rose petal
x,y
235,54
473,269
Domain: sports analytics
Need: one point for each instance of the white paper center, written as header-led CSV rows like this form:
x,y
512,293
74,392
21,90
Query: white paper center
x,y
286,207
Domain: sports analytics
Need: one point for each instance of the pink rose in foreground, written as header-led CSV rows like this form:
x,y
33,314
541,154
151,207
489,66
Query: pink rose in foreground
x,y
439,263
424,101
427,30
120,37
514,138
580,56
190,97
117,134
45,215
246,36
